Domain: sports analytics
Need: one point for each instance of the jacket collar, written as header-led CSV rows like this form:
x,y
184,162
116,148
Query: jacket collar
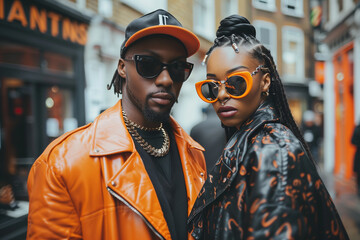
x,y
111,135
226,168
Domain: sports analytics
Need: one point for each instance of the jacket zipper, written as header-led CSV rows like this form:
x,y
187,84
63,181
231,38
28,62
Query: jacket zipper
x,y
114,194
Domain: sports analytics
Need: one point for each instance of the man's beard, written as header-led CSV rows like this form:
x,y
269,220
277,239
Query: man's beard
x,y
153,116
149,114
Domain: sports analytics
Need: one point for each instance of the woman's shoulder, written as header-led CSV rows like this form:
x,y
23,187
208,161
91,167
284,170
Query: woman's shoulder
x,y
275,149
275,134
274,143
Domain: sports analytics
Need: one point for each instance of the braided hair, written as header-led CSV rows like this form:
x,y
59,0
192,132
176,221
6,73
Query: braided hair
x,y
237,31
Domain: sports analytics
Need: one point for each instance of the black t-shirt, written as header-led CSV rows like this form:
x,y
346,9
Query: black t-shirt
x,y
167,176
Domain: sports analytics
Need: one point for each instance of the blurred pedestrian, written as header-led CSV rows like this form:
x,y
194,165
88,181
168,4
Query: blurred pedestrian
x,y
134,173
211,136
356,141
312,133
265,185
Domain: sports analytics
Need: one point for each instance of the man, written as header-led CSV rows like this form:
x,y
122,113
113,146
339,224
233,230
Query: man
x,y
211,136
133,173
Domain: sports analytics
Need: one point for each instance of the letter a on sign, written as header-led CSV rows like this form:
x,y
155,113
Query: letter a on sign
x,y
162,19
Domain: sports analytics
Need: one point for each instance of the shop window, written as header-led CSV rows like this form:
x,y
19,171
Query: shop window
x,y
229,7
105,8
267,5
58,63
293,54
296,106
293,7
60,112
146,6
266,34
17,54
204,24
17,128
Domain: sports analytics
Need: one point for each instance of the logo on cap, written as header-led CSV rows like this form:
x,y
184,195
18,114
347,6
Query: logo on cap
x,y
162,19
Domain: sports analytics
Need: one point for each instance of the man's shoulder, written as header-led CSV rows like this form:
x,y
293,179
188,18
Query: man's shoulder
x,y
69,147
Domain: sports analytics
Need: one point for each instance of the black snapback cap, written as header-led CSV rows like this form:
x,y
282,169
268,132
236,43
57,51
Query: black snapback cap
x,y
159,22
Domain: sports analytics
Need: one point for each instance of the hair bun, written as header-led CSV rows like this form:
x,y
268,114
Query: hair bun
x,y
235,24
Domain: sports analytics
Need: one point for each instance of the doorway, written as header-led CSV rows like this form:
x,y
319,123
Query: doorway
x,y
31,116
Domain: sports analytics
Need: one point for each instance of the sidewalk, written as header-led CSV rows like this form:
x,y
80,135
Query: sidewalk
x,y
343,191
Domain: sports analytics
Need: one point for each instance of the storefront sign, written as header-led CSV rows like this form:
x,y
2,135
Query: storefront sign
x,y
43,20
320,72
315,16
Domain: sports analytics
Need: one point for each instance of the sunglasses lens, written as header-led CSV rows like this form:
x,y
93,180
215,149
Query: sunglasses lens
x,y
210,90
148,67
236,85
180,71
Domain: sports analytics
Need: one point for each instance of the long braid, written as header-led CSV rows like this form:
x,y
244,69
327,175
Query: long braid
x,y
237,30
279,97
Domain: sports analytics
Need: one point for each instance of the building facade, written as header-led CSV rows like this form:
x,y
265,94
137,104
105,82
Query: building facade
x,y
338,48
284,28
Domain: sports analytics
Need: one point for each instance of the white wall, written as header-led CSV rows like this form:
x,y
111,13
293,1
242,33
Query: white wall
x,y
99,68
188,111
329,117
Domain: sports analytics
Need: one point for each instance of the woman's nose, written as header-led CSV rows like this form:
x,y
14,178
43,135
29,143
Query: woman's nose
x,y
223,94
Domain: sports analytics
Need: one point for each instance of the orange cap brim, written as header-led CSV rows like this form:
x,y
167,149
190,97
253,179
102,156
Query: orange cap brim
x,y
190,41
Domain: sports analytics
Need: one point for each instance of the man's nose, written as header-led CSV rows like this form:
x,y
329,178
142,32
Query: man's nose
x,y
164,78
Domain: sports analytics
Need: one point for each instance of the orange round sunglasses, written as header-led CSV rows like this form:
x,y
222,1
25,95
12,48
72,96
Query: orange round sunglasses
x,y
237,85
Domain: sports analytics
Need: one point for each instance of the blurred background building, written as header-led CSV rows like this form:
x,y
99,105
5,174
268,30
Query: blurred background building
x,y
57,57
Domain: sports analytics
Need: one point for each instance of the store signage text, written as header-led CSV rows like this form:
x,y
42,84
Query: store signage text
x,y
44,21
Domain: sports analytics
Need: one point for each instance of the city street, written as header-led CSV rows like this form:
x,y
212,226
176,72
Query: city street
x,y
346,200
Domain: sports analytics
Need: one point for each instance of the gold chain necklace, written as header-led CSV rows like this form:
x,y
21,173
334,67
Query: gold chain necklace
x,y
156,152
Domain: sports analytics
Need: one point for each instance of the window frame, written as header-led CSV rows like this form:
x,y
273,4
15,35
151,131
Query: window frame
x,y
207,30
144,7
294,34
272,46
269,5
233,6
297,12
102,9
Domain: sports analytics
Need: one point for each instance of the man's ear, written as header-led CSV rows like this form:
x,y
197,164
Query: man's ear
x,y
121,68
265,83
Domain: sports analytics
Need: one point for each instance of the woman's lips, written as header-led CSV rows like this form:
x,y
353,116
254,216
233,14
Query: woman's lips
x,y
227,111
162,98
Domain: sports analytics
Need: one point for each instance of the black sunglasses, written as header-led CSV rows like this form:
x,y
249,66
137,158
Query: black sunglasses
x,y
151,67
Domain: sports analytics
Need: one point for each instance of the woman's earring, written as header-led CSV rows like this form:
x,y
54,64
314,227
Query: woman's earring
x,y
265,93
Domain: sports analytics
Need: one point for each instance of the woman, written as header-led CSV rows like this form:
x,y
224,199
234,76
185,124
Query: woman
x,y
265,184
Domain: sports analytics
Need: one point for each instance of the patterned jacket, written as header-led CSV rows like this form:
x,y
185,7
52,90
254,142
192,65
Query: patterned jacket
x,y
264,186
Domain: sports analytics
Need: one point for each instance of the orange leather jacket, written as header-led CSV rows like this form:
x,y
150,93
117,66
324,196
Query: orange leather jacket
x,y
92,184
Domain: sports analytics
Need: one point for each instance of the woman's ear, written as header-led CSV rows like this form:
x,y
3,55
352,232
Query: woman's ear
x,y
121,68
265,83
